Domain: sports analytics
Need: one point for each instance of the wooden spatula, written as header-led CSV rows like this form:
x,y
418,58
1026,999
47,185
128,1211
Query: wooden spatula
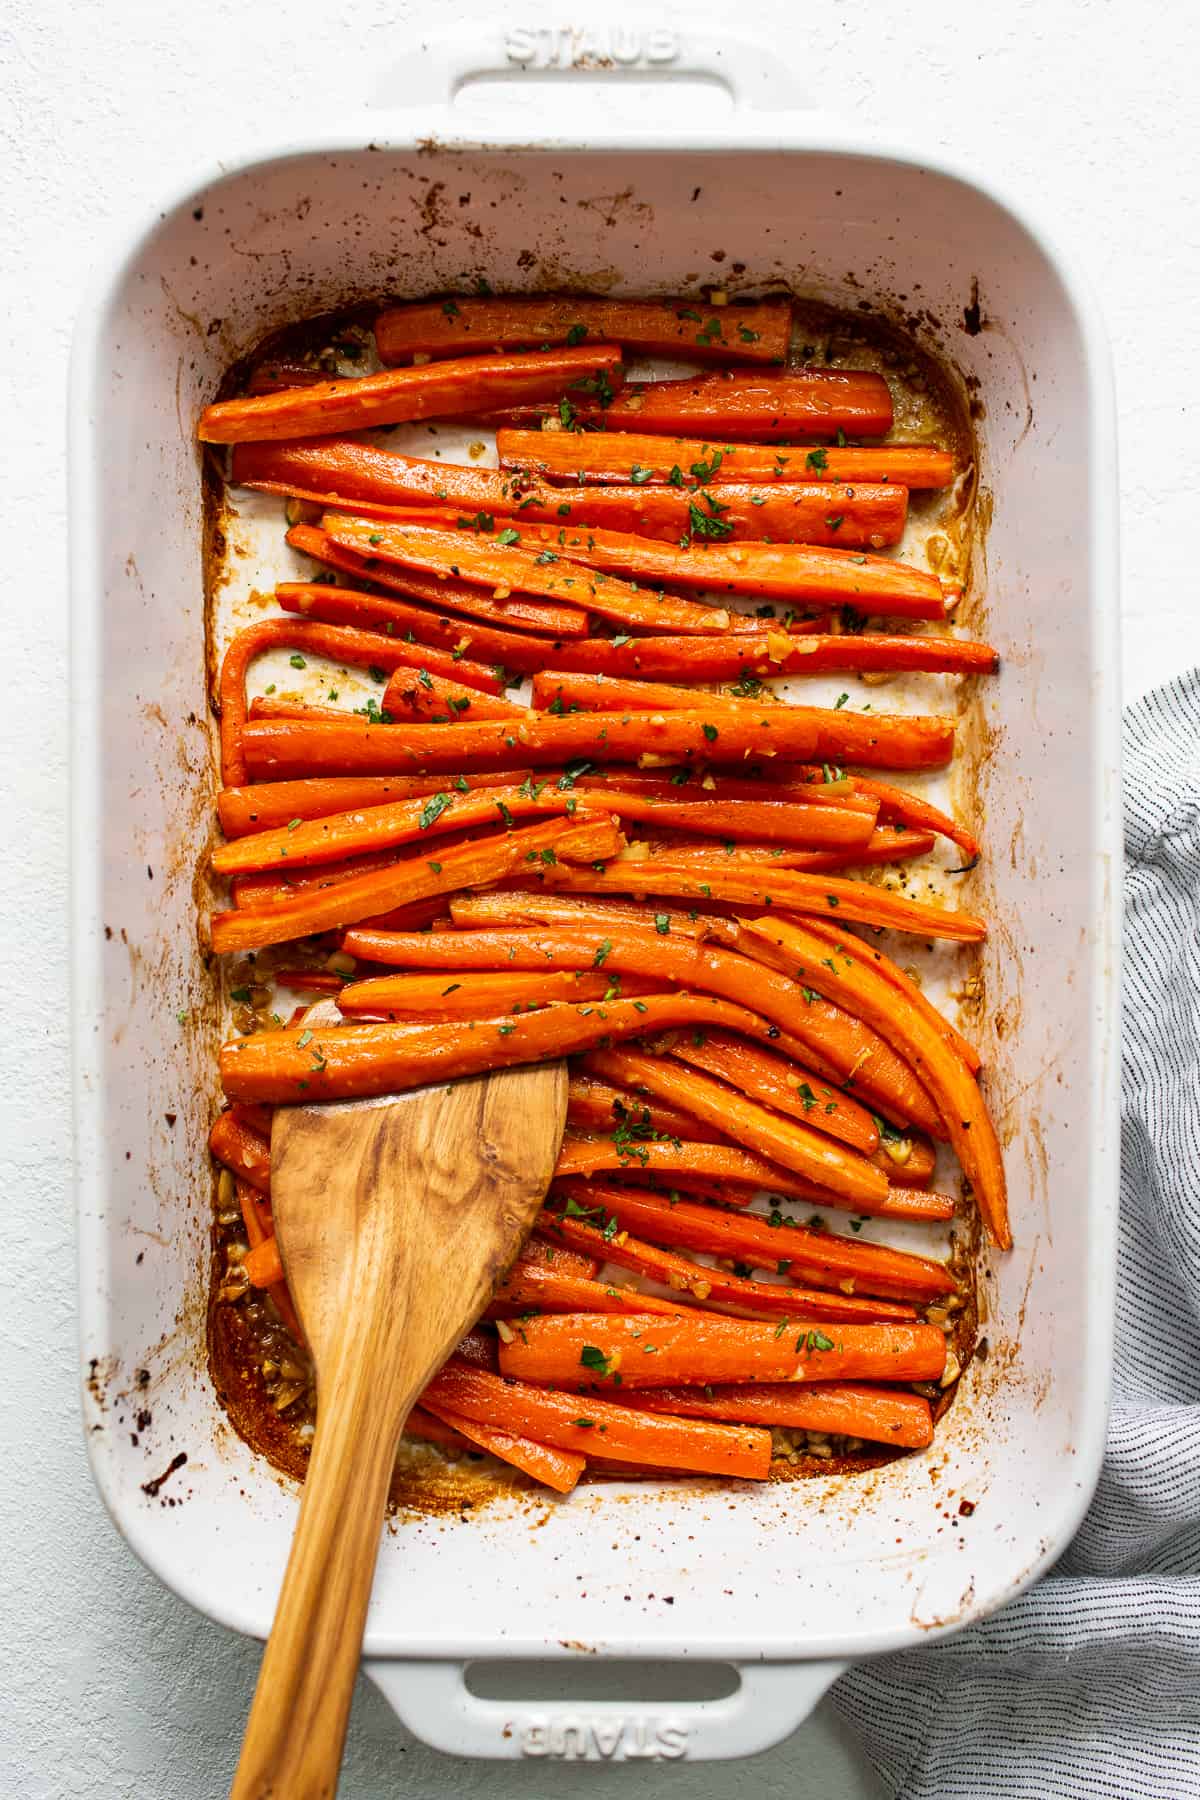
x,y
396,1219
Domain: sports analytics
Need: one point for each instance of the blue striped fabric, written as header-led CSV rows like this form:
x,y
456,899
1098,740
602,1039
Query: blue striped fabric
x,y
1089,1685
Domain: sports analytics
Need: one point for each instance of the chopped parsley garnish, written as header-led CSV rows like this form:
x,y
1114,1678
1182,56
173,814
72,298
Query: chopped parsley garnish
x,y
433,809
817,460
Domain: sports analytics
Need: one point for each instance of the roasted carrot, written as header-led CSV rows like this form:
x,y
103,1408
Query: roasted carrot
x,y
598,1106
821,1259
732,1450
415,877
691,785
588,1351
420,694
342,473
232,1142
841,1408
610,456
356,1060
276,706
483,996
266,805
633,943
531,1288
875,958
301,844
500,564
551,1253
310,981
269,887
911,810
256,1214
281,372
765,1077
887,845
585,912
557,1469
746,331
737,406
438,391
716,1286
886,1007
766,821
263,1265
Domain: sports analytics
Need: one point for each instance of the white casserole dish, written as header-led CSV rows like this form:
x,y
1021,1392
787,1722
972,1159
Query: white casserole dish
x,y
787,1583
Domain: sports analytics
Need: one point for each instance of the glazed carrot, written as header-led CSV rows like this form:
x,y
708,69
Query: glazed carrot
x,y
280,372
769,1134
422,1428
790,890
257,1118
263,1264
422,695
716,1286
331,839
545,1253
514,612
636,946
738,406
556,1469
344,473
310,981
885,1006
792,572
688,785
275,706
485,996
259,1231
415,877
266,805
597,1106
609,456
716,1165
232,1142
499,563
707,1348
754,331
533,1289
888,845
842,1408
910,809
767,821
437,391
821,1259
524,906
875,958
268,887
560,1419
765,1077
349,1061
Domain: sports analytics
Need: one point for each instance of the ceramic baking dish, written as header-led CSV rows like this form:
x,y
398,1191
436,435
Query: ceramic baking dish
x,y
786,1583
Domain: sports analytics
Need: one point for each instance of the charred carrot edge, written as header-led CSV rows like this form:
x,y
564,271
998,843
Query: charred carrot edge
x,y
244,1151
706,1348
402,882
279,372
490,995
263,1265
822,1259
885,1006
422,695
599,1107
715,1287
779,1084
357,648
741,406
610,456
530,1288
766,821
554,1468
637,945
266,805
440,390
423,1428
306,843
846,1409
875,958
745,331
560,1419
354,1060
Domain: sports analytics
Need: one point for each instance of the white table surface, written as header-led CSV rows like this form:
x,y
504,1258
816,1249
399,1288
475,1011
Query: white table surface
x,y
110,1687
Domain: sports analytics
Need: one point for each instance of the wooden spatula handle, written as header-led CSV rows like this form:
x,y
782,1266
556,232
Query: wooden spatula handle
x,y
293,1744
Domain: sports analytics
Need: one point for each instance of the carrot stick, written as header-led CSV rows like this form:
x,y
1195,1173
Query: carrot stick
x,y
886,1007
738,406
689,785
341,472
716,1285
339,835
789,571
500,564
821,1259
610,456
843,1409
909,809
349,1061
873,957
800,1093
257,1118
707,1348
888,845
549,1254
560,1419
556,1469
753,331
266,805
232,1142
517,612
598,1106
485,996
717,1165
632,944
271,706
438,391
411,878
269,887
280,372
533,1289
529,906
568,690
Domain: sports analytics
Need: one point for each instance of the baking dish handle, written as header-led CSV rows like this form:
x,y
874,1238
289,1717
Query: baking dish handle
x,y
752,71
433,1700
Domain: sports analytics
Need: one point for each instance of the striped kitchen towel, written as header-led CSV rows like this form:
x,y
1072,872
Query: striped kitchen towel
x,y
1089,1684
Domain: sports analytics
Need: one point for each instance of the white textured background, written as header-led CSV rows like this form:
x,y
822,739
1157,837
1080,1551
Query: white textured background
x,y
108,1686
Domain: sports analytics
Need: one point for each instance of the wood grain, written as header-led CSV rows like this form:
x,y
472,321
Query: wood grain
x,y
397,1222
